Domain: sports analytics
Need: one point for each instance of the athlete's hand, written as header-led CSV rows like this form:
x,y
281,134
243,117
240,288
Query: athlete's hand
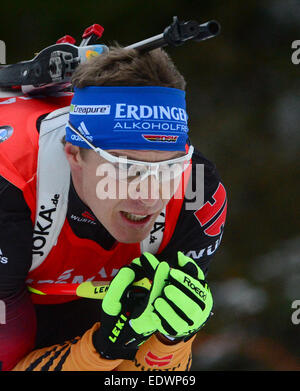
x,y
186,301
127,318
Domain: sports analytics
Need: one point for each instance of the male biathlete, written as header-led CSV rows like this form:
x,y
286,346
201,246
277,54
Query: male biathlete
x,y
94,187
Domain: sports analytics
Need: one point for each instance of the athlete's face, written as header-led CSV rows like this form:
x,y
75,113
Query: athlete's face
x,y
126,209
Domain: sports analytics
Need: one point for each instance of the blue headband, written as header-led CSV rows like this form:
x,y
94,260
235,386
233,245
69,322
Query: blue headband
x,y
140,118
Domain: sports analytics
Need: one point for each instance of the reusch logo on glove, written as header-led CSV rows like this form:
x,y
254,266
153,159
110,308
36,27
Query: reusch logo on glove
x,y
118,328
201,293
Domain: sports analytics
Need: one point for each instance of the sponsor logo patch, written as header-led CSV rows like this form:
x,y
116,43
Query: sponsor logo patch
x,y
85,217
88,215
153,360
43,226
84,131
5,132
94,52
90,109
212,214
3,259
160,138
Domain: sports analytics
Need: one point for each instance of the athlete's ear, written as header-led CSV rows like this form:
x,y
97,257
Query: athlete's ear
x,y
74,157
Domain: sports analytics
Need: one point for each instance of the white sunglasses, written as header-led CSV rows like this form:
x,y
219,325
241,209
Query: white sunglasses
x,y
124,169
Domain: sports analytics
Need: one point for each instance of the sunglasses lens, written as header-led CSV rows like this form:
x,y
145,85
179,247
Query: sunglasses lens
x,y
127,170
130,172
137,171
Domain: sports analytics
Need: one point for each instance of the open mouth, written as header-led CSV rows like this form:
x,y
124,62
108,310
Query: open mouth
x,y
134,218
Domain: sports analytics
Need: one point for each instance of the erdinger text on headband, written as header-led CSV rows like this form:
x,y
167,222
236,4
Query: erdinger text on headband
x,y
136,118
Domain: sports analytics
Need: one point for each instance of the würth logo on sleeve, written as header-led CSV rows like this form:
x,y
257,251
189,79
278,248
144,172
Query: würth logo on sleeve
x,y
153,360
88,215
212,214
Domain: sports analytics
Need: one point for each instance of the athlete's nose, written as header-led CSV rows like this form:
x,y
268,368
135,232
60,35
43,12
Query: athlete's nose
x,y
148,191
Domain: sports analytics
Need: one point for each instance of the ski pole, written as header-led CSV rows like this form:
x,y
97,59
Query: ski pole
x,y
87,289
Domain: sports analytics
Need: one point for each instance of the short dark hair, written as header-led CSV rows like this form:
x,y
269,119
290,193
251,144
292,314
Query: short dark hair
x,y
128,67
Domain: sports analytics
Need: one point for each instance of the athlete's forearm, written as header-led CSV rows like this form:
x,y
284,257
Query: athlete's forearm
x,y
78,354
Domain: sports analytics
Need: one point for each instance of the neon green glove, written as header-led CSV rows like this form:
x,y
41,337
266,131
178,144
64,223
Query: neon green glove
x,y
186,301
127,319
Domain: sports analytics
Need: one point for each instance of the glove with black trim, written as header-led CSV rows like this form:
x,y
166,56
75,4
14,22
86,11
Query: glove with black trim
x,y
127,318
186,301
